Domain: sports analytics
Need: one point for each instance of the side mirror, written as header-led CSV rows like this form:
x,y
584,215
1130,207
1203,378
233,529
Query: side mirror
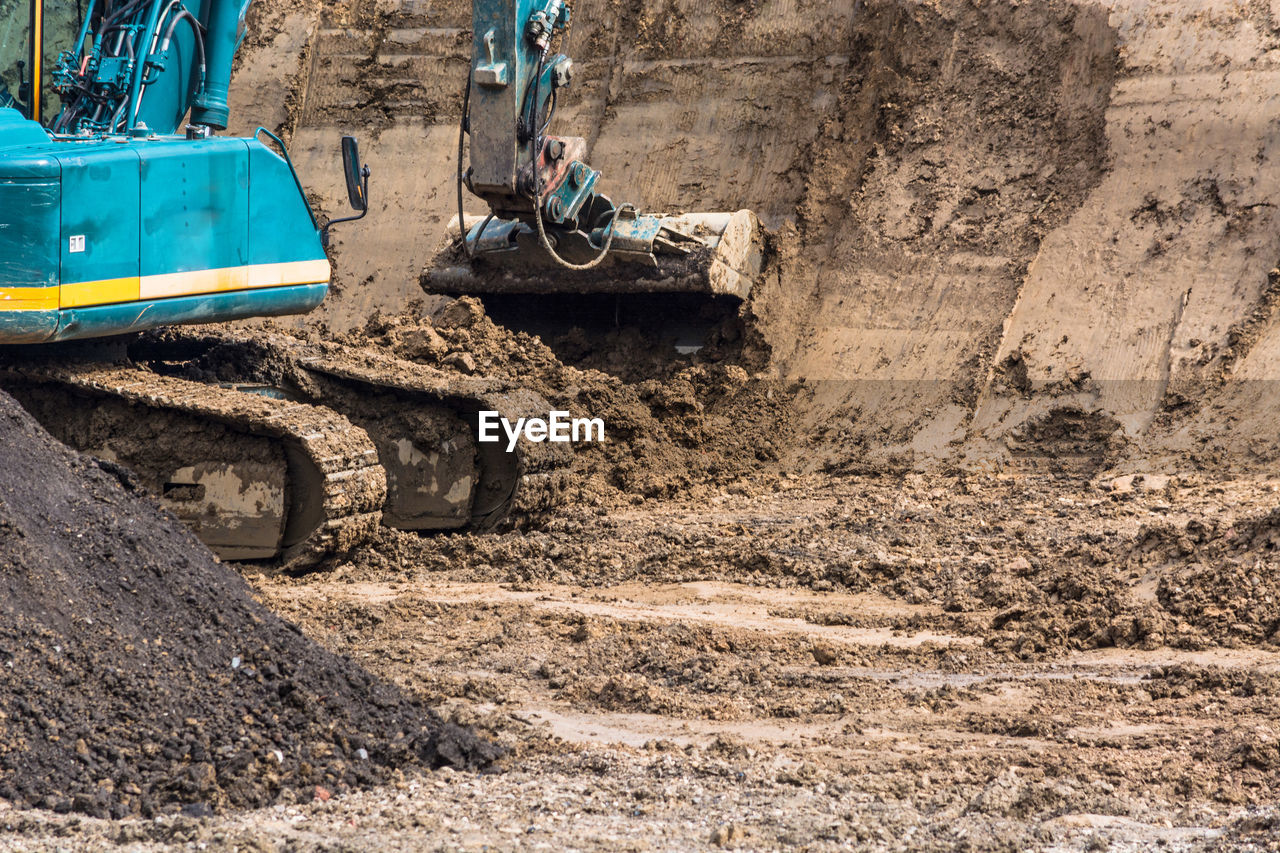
x,y
357,176
357,186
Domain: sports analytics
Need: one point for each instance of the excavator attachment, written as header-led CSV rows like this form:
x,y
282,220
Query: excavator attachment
x,y
713,254
550,230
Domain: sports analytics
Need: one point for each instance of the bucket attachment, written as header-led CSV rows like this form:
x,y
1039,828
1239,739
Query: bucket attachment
x,y
713,254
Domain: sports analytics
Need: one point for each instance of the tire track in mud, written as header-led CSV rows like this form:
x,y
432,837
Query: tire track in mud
x,y
710,604
894,660
651,670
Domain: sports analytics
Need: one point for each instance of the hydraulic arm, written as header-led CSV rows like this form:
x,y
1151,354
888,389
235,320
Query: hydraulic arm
x,y
145,62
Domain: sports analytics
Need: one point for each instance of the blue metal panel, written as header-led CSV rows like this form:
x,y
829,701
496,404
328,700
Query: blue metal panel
x,y
28,230
104,320
27,327
15,130
194,205
280,225
100,204
145,207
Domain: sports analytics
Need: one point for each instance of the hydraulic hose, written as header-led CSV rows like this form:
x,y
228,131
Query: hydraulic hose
x,y
550,250
536,148
163,45
462,130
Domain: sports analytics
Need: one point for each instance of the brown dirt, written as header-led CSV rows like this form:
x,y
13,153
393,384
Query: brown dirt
x,y
987,216
686,429
963,535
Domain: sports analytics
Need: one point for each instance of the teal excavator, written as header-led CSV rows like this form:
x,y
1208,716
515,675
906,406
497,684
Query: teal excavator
x,y
116,216
123,211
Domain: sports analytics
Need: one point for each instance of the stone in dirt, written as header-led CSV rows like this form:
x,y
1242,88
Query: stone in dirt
x,y
729,835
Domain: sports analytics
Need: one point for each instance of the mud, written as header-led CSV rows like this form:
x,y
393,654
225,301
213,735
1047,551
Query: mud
x,y
690,427
900,664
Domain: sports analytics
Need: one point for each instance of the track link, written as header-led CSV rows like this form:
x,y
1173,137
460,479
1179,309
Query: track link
x,y
513,488
274,449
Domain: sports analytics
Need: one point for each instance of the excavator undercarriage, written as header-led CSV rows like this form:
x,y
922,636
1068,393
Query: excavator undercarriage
x,y
271,449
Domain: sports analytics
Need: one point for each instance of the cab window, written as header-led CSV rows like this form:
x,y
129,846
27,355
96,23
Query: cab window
x,y
15,54
59,25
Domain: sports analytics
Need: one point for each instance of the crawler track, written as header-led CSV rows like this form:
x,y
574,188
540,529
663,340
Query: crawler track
x,y
271,449
253,475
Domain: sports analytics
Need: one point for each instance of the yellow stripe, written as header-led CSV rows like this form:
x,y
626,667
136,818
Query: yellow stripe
x,y
100,292
28,298
293,272
190,283
234,278
115,290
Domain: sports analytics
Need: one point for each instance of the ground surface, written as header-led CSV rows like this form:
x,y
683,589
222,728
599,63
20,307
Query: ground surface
x,y
1002,663
139,674
965,536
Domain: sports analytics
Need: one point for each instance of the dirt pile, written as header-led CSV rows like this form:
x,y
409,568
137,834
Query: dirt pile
x,y
139,675
688,429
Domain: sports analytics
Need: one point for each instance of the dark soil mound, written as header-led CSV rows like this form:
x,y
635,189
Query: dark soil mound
x,y
139,674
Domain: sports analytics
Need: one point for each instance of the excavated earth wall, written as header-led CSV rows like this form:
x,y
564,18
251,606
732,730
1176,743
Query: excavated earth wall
x,y
1004,231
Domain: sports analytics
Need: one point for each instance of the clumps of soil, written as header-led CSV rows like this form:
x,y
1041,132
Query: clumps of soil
x,y
691,427
1068,438
965,126
139,675
1218,575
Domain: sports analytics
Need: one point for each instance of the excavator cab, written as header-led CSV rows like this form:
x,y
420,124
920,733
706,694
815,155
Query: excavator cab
x,y
120,209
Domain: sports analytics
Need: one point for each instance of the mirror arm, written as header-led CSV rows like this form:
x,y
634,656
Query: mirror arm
x,y
324,234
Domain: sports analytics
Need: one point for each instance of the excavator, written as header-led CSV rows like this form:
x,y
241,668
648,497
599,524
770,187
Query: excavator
x,y
550,230
122,212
